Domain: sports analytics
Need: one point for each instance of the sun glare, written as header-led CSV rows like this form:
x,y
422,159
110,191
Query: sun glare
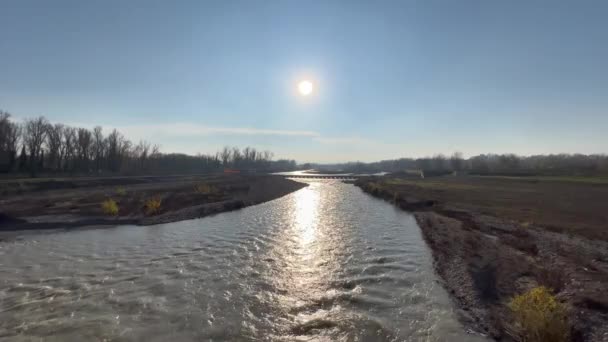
x,y
305,87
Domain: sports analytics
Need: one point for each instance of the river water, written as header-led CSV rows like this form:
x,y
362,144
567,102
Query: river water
x,y
325,263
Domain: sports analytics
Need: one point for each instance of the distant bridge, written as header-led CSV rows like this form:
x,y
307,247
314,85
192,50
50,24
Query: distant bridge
x,y
350,177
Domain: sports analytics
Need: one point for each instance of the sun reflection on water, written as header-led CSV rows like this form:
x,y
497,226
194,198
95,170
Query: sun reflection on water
x,y
306,205
299,250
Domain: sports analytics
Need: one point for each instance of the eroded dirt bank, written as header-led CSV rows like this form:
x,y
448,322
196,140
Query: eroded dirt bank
x,y
486,259
69,203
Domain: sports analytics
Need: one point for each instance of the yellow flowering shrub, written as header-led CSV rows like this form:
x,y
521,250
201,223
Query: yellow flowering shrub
x,y
539,317
109,207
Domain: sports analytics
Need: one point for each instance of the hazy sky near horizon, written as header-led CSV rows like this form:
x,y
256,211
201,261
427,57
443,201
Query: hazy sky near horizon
x,y
392,78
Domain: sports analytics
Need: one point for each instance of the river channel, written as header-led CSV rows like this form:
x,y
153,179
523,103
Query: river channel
x,y
325,263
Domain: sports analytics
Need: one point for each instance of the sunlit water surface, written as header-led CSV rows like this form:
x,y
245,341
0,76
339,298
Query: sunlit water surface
x,y
326,263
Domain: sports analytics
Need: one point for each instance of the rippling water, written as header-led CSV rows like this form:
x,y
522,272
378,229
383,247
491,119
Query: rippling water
x,y
326,263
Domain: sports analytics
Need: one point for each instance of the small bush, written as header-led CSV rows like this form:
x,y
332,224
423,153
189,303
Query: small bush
x,y
152,205
109,207
121,191
374,188
205,189
539,317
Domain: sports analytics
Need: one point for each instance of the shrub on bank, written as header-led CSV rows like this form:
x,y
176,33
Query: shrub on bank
x,y
539,317
121,191
374,187
152,205
109,207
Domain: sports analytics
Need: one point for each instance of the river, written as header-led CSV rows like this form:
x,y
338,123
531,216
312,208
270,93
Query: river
x,y
325,263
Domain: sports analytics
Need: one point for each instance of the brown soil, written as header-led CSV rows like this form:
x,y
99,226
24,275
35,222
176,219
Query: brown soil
x,y
494,238
68,203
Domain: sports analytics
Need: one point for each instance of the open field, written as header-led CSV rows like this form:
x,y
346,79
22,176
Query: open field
x,y
573,205
576,179
74,202
493,238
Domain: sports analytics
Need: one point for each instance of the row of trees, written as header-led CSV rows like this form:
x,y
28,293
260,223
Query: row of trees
x,y
556,164
36,146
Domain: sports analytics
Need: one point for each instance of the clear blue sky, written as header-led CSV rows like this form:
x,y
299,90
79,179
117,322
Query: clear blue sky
x,y
392,78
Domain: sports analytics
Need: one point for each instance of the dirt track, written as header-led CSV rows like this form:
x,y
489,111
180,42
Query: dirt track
x,y
489,244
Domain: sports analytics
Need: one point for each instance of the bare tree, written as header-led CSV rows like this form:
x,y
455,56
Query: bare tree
x,y
34,136
143,150
125,152
456,161
98,147
83,143
236,157
54,141
225,155
249,157
4,124
155,151
9,141
112,144
69,147
12,142
438,162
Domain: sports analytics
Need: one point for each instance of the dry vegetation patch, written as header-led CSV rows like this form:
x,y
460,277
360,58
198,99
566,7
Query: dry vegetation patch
x,y
539,317
205,189
152,205
109,207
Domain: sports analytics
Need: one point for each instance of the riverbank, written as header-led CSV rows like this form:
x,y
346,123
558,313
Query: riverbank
x,y
75,202
494,238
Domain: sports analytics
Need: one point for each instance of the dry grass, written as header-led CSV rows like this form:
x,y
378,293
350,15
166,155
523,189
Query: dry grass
x,y
431,184
567,179
539,317
374,187
205,189
109,207
573,207
152,205
121,191
526,224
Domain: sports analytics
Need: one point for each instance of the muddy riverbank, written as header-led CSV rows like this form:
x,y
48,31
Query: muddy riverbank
x,y
77,202
486,254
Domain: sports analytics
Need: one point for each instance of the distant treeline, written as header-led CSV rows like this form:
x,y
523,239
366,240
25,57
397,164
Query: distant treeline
x,y
37,146
496,164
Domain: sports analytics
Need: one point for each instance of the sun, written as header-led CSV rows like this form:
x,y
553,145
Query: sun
x,y
305,87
